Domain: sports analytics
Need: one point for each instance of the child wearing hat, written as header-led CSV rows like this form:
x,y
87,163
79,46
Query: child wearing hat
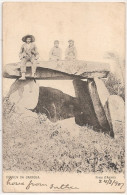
x,y
28,53
71,53
55,52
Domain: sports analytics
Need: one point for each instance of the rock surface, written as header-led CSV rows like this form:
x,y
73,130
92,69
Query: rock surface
x,y
24,95
116,112
98,104
88,115
103,92
59,70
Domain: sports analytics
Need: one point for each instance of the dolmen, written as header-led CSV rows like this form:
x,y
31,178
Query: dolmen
x,y
93,104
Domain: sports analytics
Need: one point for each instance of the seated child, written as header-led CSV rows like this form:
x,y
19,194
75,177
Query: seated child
x,y
71,53
55,53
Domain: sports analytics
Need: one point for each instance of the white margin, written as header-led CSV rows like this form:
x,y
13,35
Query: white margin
x,y
1,2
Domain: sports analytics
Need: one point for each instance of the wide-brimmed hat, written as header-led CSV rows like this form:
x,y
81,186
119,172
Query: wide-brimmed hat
x,y
28,36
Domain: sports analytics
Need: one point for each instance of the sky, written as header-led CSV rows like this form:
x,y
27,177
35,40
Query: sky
x,y
96,28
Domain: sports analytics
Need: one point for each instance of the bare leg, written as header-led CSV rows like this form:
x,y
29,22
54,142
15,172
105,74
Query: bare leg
x,y
33,70
23,76
23,69
34,66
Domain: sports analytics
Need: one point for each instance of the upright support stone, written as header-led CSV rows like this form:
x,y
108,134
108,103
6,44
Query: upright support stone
x,y
115,109
24,94
93,111
103,92
88,115
98,107
104,95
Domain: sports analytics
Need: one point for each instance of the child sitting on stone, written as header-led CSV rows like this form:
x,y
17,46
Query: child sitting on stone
x,y
55,53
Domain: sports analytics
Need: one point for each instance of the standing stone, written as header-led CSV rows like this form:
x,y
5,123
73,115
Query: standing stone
x,y
98,107
103,92
24,94
115,109
88,115
113,106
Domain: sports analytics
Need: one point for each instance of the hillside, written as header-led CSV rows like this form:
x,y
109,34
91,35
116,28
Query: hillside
x,y
37,144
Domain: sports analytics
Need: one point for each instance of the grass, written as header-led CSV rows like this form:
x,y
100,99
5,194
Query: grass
x,y
37,144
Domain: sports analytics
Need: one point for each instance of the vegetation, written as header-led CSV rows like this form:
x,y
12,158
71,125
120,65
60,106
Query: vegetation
x,y
115,86
37,144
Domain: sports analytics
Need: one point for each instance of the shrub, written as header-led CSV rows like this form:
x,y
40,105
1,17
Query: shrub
x,y
115,86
